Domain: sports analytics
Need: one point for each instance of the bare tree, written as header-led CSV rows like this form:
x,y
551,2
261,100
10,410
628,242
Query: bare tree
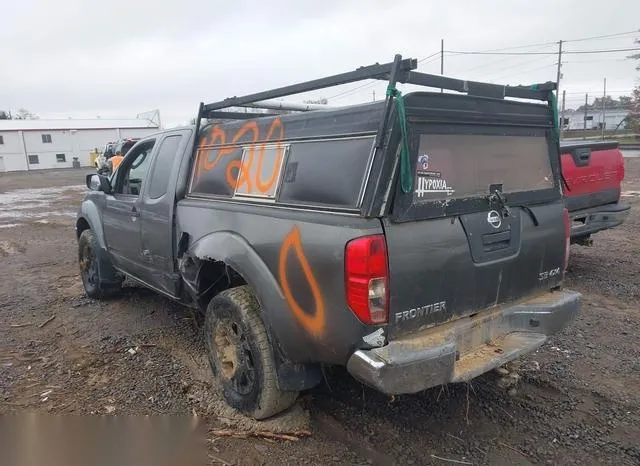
x,y
24,114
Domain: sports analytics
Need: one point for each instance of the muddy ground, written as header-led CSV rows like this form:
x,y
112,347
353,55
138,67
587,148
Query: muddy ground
x,y
577,401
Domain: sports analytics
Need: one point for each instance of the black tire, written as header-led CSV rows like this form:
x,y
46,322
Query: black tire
x,y
241,356
93,284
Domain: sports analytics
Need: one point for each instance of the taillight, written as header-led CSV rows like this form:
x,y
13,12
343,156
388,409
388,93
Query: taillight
x,y
567,236
367,279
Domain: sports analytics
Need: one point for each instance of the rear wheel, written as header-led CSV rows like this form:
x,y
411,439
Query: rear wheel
x,y
241,356
94,286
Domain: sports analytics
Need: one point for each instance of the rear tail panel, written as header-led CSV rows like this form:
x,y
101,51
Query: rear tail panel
x,y
456,247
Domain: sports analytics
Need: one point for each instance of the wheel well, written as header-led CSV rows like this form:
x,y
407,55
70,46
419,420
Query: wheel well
x,y
212,278
81,225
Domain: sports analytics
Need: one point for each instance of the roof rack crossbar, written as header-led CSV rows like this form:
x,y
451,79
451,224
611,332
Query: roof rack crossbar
x,y
376,71
535,92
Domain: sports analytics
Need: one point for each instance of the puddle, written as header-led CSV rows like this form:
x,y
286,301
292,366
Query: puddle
x,y
36,204
630,193
9,247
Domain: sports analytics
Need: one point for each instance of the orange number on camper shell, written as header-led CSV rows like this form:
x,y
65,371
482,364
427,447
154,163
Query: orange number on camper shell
x,y
238,172
264,187
313,323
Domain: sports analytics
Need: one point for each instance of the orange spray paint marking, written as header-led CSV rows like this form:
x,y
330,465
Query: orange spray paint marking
x,y
314,324
243,175
239,173
264,187
202,163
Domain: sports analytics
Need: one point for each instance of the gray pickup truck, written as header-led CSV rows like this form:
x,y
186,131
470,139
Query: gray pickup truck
x,y
419,240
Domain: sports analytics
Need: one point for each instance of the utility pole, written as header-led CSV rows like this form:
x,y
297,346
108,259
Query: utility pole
x,y
564,95
374,95
441,60
586,104
559,75
604,107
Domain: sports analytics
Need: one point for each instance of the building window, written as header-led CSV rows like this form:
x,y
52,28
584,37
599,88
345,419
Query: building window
x,y
33,160
46,138
61,158
1,139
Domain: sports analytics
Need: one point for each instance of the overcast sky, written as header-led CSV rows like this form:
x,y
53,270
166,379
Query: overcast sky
x,y
116,58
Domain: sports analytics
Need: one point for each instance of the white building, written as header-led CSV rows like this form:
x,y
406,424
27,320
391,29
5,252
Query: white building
x,y
575,119
41,144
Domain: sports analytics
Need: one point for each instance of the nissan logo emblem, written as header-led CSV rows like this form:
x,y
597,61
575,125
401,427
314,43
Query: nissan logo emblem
x,y
494,219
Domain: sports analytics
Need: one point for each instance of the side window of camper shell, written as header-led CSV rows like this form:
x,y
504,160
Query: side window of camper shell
x,y
214,171
326,173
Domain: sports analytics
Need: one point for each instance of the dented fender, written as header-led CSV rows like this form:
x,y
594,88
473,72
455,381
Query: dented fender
x,y
233,250
236,252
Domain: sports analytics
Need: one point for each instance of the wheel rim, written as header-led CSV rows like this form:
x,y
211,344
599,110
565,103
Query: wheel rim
x,y
89,266
235,357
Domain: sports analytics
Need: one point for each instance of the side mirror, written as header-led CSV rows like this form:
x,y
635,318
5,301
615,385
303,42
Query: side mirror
x,y
98,183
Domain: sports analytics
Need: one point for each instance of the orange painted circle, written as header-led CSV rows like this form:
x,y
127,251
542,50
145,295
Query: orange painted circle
x,y
314,324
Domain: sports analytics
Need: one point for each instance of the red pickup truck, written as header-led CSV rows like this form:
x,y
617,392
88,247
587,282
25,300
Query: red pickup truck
x,y
593,174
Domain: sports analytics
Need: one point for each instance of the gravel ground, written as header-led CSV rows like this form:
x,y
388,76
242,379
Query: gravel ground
x,y
577,400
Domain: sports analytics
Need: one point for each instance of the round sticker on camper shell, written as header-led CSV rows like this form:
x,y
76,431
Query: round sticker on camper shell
x,y
423,162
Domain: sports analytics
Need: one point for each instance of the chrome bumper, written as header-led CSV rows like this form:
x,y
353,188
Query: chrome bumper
x,y
463,349
588,221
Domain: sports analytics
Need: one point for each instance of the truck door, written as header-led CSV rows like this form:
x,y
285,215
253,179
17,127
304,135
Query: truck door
x,y
121,214
156,214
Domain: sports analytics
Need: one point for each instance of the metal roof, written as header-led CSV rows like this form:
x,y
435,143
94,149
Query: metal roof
x,y
69,124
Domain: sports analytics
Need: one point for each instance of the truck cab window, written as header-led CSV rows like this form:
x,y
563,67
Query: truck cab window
x,y
134,170
167,153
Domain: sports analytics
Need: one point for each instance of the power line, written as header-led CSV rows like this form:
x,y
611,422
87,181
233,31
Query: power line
x,y
541,44
582,39
430,56
457,52
352,90
605,36
604,51
501,60
502,77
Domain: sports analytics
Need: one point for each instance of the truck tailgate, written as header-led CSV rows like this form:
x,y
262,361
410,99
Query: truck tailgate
x,y
593,172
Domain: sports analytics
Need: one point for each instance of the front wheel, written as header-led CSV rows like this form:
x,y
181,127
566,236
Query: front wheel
x,y
90,270
241,356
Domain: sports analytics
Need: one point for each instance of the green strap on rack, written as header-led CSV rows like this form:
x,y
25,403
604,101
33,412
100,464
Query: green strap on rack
x,y
553,102
406,179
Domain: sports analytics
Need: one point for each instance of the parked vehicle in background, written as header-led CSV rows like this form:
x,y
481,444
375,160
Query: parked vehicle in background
x,y
120,147
593,173
101,160
418,241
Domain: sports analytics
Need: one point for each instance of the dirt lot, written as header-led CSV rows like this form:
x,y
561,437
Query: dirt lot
x,y
577,401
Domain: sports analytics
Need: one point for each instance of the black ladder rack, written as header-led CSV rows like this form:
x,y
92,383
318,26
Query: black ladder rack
x,y
400,70
402,73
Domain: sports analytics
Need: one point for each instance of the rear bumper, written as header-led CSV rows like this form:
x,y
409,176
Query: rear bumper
x,y
588,221
463,349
